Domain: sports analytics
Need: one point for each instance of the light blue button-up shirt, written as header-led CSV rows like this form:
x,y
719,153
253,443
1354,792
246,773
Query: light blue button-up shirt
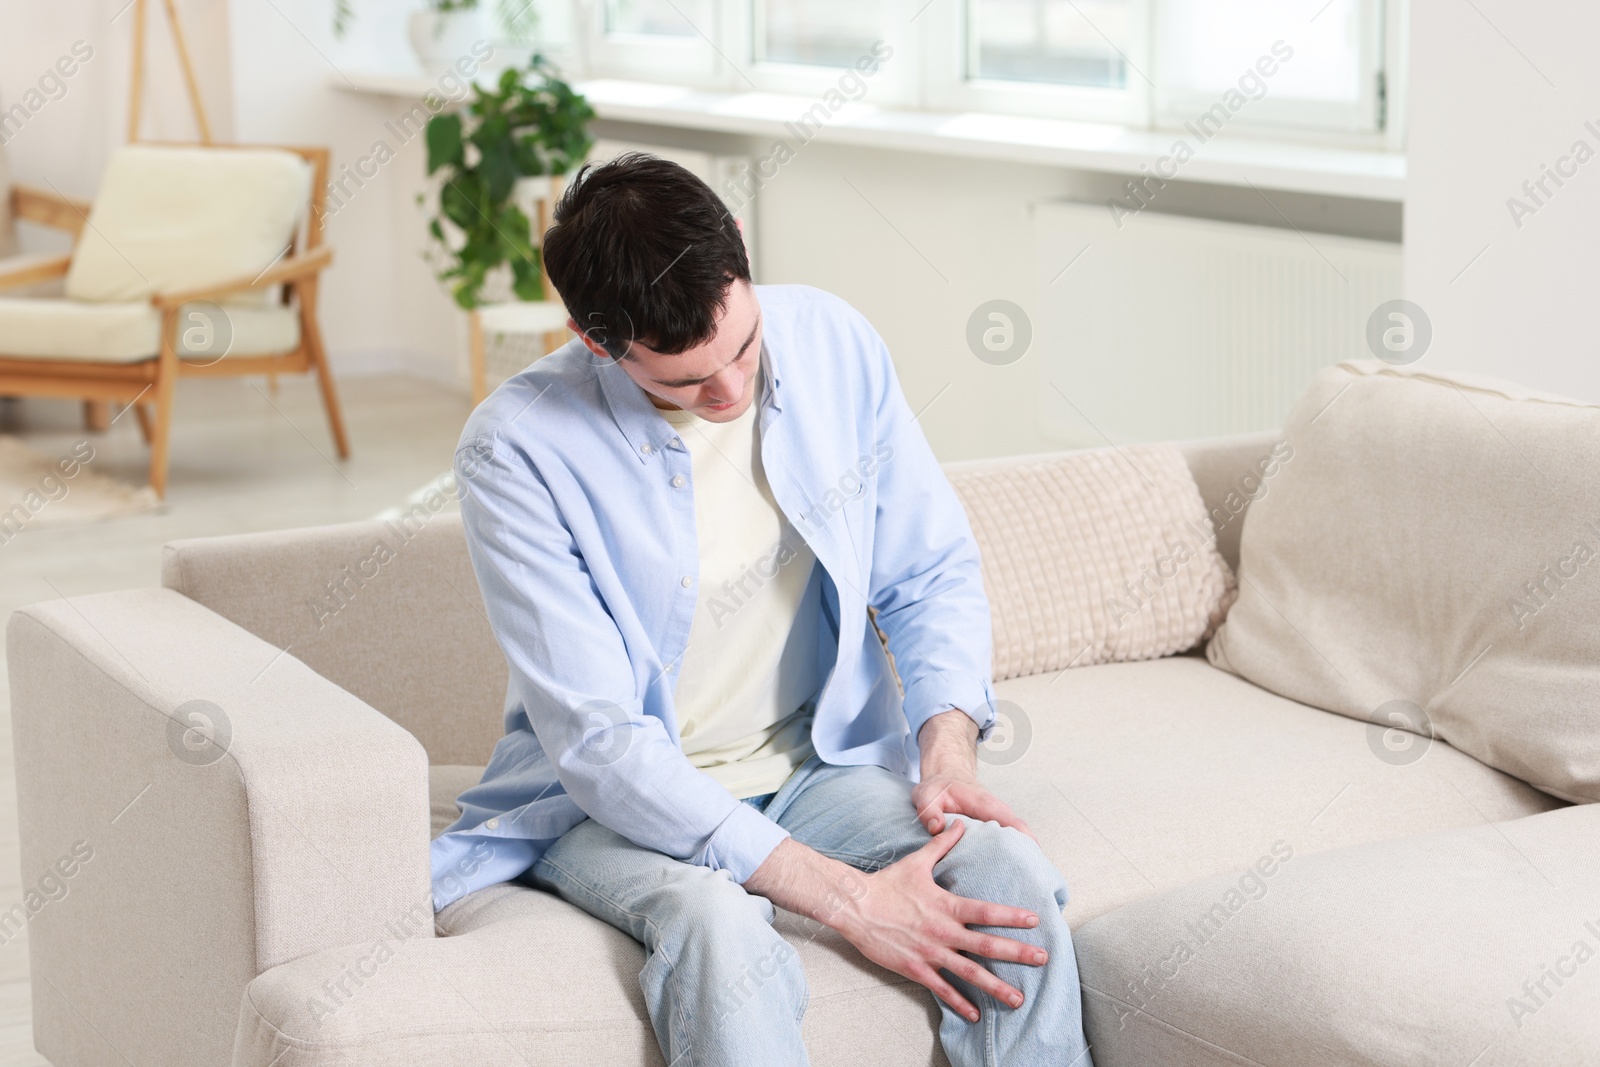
x,y
577,499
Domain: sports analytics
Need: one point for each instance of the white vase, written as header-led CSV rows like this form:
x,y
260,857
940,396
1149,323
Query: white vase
x,y
440,38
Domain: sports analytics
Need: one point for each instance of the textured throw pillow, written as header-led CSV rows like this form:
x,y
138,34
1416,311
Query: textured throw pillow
x,y
1093,557
1430,561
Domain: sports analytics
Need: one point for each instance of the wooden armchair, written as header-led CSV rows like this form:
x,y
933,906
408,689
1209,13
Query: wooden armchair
x,y
174,273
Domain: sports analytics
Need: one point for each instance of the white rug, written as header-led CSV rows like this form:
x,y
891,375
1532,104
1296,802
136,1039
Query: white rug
x,y
37,492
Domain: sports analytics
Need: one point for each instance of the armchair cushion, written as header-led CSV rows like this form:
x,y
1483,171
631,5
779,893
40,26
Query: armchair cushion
x,y
169,218
130,332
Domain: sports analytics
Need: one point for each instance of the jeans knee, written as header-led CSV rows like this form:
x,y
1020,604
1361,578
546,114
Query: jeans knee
x,y
1006,866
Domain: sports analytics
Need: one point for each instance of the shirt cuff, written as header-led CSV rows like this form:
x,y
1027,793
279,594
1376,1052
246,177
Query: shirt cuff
x,y
742,843
943,691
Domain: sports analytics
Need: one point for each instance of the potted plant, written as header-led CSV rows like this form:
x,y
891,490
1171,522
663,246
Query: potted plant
x,y
530,125
444,30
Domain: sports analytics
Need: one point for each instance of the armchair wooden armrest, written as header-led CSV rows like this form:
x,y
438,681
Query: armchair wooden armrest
x,y
26,270
285,270
49,209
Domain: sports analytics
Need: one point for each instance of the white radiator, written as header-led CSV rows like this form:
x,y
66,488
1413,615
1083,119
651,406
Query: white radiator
x,y
1170,328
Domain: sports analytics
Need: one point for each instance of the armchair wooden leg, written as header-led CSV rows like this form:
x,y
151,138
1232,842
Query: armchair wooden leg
x,y
142,413
166,386
478,358
330,395
96,416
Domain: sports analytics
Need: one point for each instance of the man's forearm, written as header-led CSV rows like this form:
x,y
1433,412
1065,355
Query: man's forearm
x,y
802,880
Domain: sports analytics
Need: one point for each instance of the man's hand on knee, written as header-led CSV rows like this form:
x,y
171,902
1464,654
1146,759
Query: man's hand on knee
x,y
949,786
901,919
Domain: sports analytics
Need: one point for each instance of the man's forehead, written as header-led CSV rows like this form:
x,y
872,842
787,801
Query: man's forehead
x,y
735,330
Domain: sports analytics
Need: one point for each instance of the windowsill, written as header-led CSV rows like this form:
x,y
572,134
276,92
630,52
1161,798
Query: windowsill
x,y
1272,164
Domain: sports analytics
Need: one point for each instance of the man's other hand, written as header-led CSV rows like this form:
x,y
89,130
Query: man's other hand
x,y
949,785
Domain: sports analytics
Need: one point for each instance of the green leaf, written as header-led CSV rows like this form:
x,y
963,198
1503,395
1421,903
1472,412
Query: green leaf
x,y
444,141
525,279
531,122
499,169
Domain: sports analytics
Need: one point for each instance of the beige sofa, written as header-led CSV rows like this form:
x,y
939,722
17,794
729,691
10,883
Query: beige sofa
x,y
1252,881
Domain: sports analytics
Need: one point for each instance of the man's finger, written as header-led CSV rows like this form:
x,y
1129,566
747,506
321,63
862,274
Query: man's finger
x,y
976,974
995,947
942,843
946,992
970,911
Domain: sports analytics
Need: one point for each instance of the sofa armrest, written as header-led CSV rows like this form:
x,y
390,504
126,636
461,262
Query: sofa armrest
x,y
237,811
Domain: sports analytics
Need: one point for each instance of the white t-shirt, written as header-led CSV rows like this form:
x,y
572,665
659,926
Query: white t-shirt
x,y
746,683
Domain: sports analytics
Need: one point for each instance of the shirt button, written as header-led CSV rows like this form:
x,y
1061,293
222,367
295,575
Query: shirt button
x,y
687,581
678,481
493,824
645,449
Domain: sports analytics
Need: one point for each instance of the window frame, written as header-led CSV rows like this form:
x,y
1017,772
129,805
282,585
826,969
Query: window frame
x,y
1301,117
934,42
950,44
694,61
894,84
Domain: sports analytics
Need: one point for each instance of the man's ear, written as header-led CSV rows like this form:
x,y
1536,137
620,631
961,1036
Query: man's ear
x,y
588,342
737,221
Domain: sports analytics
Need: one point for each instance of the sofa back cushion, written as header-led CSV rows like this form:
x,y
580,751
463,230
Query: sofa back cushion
x,y
169,218
388,610
1093,557
1430,561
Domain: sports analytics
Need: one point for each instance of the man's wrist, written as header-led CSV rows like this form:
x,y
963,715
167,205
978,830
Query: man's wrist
x,y
806,882
948,743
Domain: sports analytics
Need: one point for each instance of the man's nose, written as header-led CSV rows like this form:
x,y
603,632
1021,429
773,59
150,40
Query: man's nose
x,y
727,386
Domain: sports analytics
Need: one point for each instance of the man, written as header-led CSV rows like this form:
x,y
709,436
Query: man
x,y
679,521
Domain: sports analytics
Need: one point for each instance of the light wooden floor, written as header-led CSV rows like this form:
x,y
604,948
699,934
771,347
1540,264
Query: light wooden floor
x,y
242,460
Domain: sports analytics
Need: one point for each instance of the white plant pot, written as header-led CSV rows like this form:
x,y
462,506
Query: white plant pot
x,y
441,37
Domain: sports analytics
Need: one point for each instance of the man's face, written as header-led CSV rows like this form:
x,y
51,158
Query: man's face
x,y
716,380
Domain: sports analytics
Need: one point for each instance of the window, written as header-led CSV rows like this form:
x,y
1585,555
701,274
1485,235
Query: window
x,y
824,33
1329,80
655,40
1297,65
648,17
1058,42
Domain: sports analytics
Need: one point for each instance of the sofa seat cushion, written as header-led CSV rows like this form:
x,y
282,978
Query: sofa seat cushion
x,y
526,978
1479,945
1137,778
130,332
1140,777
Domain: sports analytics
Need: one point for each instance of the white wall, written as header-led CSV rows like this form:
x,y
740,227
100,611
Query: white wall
x,y
382,309
1494,98
917,242
862,222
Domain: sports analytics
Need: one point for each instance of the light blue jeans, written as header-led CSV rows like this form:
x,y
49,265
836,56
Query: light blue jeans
x,y
724,989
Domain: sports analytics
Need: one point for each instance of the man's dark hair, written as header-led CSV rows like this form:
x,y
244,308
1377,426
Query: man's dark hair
x,y
642,250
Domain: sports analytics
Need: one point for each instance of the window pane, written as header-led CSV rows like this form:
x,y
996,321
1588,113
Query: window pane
x,y
658,17
1069,42
824,33
1207,44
